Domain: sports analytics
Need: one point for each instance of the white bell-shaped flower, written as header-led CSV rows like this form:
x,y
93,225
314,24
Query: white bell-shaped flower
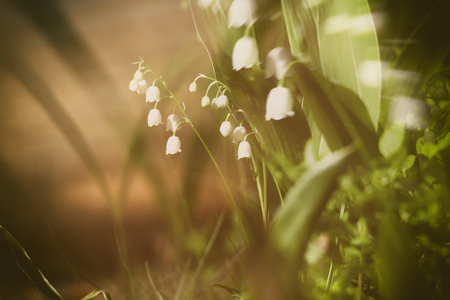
x,y
172,122
277,61
193,87
173,145
244,150
221,101
154,117
225,128
239,134
245,53
142,87
133,86
206,101
241,12
280,104
153,94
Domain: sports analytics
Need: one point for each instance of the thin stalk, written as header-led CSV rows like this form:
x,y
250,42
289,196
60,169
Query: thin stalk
x,y
183,112
206,252
152,284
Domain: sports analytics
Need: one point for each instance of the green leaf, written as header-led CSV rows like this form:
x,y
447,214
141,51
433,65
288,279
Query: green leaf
x,y
293,223
24,262
349,52
391,140
97,292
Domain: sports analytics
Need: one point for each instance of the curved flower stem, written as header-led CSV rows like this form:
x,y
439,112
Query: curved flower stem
x,y
183,112
290,65
215,81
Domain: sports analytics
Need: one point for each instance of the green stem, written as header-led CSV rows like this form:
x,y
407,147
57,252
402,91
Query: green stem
x,y
180,107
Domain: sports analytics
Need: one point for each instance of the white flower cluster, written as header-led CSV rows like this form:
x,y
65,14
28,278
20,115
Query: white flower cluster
x,y
153,94
280,102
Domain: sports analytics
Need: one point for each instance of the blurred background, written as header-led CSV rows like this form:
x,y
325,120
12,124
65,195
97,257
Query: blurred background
x,y
76,155
75,147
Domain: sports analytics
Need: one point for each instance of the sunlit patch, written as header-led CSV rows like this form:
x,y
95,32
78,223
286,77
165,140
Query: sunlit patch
x,y
369,73
358,25
408,111
312,3
336,24
361,24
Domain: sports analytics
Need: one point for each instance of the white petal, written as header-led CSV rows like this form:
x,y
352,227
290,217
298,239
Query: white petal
x,y
173,145
172,122
244,150
241,12
133,86
239,134
154,117
152,94
222,101
280,104
225,128
276,62
142,87
245,53
138,76
193,87
205,101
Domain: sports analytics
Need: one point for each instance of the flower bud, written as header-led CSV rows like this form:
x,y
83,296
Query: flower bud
x,y
279,104
245,53
154,117
244,150
133,86
173,145
152,94
239,134
205,101
138,76
193,87
225,128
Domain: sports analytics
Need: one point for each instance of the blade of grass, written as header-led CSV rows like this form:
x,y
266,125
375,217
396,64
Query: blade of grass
x,y
26,265
95,293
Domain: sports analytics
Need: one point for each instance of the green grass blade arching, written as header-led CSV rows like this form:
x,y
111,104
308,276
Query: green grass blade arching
x,y
24,262
294,222
97,292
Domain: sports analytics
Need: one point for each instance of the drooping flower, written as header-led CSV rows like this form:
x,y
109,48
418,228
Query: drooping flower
x,y
193,87
138,76
152,94
221,101
225,128
241,12
276,62
244,150
172,122
133,86
142,87
280,104
154,117
239,134
205,101
173,145
245,53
